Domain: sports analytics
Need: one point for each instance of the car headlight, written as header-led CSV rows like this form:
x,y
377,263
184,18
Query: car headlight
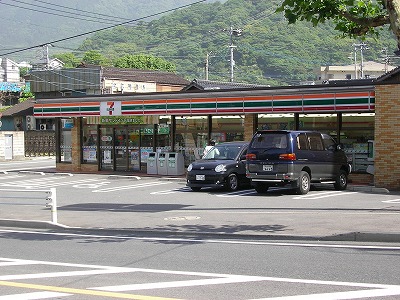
x,y
220,168
189,168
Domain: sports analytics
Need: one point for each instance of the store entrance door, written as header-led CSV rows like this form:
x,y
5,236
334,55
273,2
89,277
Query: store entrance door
x,y
121,147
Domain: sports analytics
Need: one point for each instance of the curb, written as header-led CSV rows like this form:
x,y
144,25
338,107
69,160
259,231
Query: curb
x,y
347,237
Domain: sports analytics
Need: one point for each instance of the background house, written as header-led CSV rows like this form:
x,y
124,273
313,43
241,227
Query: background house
x,y
370,69
97,80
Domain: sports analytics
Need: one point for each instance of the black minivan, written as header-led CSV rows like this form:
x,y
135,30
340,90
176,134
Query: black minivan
x,y
295,158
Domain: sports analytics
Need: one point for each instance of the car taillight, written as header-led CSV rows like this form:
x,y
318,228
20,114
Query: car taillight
x,y
250,156
287,156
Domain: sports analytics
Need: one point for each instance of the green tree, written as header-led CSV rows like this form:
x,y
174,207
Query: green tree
x,y
144,62
352,17
25,95
69,59
96,58
23,71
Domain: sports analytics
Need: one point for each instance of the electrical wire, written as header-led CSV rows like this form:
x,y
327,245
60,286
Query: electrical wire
x,y
104,28
85,11
54,14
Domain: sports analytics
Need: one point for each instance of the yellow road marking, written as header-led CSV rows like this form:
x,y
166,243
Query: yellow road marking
x,y
80,291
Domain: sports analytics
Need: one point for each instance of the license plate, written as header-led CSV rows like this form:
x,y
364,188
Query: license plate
x,y
267,167
200,177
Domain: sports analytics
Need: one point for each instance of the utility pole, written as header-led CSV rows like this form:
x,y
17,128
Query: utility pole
x,y
385,58
207,64
232,32
362,47
355,63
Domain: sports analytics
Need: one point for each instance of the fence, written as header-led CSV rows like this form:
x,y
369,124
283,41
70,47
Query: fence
x,y
40,143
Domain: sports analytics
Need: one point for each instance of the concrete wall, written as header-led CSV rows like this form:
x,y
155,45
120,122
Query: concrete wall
x,y
18,144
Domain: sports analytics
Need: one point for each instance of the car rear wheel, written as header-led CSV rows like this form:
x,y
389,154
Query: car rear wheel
x,y
341,181
304,183
195,189
232,182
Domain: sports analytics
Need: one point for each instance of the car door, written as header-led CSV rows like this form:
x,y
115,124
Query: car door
x,y
319,163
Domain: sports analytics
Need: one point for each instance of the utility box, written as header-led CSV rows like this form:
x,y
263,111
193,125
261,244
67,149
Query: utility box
x,y
152,163
176,164
162,164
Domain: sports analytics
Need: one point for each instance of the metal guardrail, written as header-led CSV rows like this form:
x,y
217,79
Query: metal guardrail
x,y
50,200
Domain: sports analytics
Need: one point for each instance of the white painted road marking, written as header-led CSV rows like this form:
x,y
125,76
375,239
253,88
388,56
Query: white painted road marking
x,y
312,196
392,201
166,192
369,289
34,296
192,240
128,187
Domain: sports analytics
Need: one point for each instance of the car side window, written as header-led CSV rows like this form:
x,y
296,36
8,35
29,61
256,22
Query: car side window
x,y
302,142
316,143
329,143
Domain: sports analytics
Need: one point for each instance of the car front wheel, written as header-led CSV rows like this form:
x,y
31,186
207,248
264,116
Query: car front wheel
x,y
232,182
304,183
341,181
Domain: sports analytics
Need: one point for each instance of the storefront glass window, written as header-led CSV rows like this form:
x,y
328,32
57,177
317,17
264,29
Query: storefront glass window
x,y
276,122
164,134
65,140
191,136
89,143
357,130
326,123
227,128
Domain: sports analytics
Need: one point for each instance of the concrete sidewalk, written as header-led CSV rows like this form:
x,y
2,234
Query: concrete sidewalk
x,y
374,225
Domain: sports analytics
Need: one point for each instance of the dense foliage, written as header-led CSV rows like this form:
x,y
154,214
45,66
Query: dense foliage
x,y
269,50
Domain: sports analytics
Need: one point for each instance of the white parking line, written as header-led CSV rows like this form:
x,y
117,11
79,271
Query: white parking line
x,y
128,187
166,192
324,195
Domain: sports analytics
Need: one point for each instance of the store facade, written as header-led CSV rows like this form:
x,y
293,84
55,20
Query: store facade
x,y
117,132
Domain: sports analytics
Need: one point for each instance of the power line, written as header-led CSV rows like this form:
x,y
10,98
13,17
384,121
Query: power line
x,y
85,11
73,16
105,28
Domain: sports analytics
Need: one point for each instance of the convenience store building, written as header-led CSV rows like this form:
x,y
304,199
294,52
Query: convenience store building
x,y
117,132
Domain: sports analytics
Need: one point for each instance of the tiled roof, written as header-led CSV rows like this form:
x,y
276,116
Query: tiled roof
x,y
21,109
220,85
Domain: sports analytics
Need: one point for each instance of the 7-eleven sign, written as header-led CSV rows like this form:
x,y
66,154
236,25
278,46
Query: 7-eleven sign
x,y
110,108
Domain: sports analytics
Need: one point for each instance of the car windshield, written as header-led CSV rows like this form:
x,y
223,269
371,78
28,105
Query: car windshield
x,y
227,152
269,141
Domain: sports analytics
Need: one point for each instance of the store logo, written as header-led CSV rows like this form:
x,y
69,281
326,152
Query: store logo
x,y
110,108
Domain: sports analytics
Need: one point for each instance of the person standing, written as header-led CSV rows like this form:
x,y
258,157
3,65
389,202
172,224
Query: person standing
x,y
211,143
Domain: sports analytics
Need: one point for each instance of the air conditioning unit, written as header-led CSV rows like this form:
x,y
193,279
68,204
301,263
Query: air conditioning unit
x,y
30,123
42,126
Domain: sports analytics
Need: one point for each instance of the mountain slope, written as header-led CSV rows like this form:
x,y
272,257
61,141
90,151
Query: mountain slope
x,y
269,51
25,23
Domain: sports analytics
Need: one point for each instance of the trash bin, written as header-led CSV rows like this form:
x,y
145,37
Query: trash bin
x,y
162,164
152,163
176,164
